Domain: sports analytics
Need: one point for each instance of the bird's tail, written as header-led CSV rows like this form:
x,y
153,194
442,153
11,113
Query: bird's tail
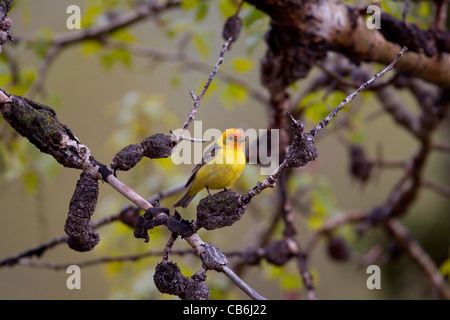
x,y
184,200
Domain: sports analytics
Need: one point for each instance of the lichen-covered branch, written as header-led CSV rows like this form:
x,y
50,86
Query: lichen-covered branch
x,y
329,25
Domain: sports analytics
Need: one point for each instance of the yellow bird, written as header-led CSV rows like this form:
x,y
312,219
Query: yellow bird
x,y
221,166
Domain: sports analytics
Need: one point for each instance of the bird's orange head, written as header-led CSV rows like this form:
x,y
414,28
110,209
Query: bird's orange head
x,y
233,138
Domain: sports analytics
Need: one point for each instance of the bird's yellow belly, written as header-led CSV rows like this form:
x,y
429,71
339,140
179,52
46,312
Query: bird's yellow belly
x,y
218,176
215,175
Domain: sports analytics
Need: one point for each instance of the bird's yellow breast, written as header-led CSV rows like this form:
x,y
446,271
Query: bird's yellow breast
x,y
221,172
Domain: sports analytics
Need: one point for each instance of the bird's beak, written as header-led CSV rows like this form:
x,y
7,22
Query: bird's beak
x,y
239,139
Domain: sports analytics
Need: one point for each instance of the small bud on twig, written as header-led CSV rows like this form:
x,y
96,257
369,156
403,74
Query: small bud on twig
x,y
360,166
338,249
232,28
277,252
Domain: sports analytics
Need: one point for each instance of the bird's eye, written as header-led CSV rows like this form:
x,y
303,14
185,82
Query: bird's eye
x,y
230,138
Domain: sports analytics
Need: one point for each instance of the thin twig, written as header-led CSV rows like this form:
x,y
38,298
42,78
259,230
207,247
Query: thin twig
x,y
241,284
193,95
333,113
128,193
344,82
306,275
189,62
391,164
59,41
441,148
167,192
40,249
138,13
101,260
199,246
395,107
331,224
440,15
33,251
168,247
270,181
436,187
24,261
199,98
43,69
187,138
405,10
289,232
419,256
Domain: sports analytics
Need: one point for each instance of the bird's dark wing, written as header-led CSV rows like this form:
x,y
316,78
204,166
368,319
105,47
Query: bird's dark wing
x,y
209,155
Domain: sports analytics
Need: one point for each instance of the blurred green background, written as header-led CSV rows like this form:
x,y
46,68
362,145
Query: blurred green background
x,y
111,101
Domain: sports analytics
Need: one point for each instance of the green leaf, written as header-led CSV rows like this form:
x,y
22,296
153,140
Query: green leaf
x,y
348,232
252,40
323,204
255,23
423,14
53,99
309,99
316,111
318,105
90,46
189,4
202,40
152,106
242,64
424,9
288,279
445,268
123,35
335,98
391,7
42,44
175,80
357,129
3,157
176,27
212,87
251,16
26,78
299,182
201,11
91,14
31,181
227,8
117,55
233,95
5,76
25,13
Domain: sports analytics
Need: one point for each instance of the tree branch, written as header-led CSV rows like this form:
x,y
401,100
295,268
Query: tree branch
x,y
189,62
436,187
114,23
241,284
343,29
199,98
419,256
365,85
